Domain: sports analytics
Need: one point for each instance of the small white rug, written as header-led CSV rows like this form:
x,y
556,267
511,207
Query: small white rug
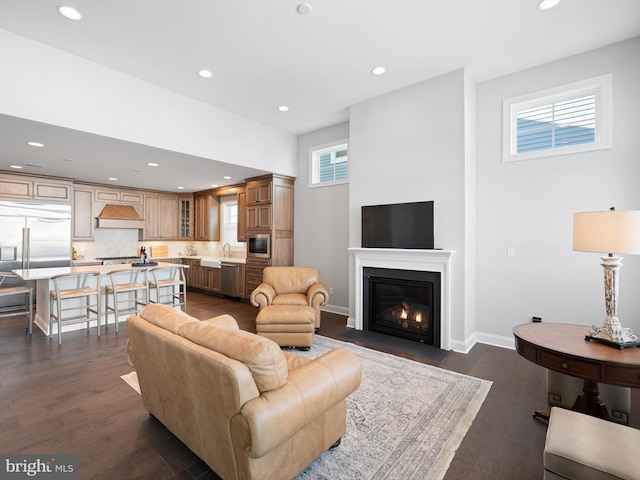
x,y
132,381
405,422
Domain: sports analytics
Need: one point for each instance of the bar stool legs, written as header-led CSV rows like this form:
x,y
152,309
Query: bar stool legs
x,y
129,290
74,298
17,288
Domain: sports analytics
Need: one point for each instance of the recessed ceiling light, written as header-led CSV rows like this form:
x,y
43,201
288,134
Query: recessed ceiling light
x,y
378,70
547,4
283,108
205,73
36,144
16,166
70,13
214,186
180,188
152,164
304,8
227,177
113,178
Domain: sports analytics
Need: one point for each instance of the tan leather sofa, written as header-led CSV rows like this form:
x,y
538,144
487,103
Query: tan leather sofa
x,y
245,407
291,286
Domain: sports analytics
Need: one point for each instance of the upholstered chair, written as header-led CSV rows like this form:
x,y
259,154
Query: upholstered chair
x,y
291,286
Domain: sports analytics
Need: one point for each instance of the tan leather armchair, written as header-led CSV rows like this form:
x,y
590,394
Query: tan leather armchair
x,y
291,286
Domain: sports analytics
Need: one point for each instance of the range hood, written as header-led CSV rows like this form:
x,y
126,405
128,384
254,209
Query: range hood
x,y
120,216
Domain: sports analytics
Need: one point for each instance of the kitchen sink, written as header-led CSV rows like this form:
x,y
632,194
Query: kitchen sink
x,y
215,261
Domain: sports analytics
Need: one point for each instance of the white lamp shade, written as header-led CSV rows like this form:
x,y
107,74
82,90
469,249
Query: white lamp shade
x,y
612,231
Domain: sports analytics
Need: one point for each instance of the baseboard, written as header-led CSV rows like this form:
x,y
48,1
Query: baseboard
x,y
335,309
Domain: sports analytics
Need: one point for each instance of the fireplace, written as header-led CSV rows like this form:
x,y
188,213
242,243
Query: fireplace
x,y
402,303
438,261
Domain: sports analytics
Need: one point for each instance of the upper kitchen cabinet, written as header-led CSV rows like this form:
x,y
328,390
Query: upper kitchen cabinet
x,y
160,217
242,215
185,226
83,216
114,195
42,189
207,216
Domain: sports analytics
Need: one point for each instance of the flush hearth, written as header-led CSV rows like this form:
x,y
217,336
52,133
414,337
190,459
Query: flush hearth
x,y
403,303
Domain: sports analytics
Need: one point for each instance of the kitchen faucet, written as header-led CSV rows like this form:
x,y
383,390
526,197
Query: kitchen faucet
x,y
224,250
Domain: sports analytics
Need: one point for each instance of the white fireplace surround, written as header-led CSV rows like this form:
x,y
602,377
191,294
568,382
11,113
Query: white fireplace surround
x,y
406,259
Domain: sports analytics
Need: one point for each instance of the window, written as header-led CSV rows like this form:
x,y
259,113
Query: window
x,y
568,119
229,223
329,165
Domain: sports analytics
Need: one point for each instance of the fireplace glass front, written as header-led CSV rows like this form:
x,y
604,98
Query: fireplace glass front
x,y
403,303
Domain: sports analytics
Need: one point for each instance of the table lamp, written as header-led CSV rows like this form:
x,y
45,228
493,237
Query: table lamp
x,y
609,232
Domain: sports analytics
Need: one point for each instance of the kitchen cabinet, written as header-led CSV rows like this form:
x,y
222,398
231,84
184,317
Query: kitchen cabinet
x,y
259,217
253,276
269,211
83,217
194,274
242,216
25,187
185,228
202,278
259,190
207,217
114,195
241,280
160,217
210,279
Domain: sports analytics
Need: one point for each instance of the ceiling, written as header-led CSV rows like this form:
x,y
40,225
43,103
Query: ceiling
x,y
264,54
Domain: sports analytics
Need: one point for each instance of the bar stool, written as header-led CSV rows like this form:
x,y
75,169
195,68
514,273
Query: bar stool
x,y
169,285
16,286
129,289
77,294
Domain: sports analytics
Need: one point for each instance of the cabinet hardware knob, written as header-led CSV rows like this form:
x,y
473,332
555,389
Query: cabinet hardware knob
x,y
565,365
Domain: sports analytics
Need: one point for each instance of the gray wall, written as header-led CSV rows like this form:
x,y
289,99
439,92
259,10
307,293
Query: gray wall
x,y
322,221
528,205
410,146
442,140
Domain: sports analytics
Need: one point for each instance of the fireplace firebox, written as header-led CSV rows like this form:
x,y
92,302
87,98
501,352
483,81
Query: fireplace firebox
x,y
402,303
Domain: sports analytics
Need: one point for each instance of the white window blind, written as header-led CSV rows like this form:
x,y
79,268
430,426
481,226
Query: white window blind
x,y
569,119
329,165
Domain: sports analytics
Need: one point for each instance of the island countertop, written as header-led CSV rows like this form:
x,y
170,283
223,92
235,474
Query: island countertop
x,y
47,273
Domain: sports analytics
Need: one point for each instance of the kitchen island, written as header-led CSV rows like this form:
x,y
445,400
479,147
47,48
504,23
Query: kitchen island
x,y
43,276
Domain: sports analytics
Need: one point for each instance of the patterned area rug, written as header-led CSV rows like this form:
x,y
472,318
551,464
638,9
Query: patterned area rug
x,y
406,420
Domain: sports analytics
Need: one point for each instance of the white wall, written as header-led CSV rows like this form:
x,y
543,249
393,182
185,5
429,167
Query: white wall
x,y
47,85
528,205
409,146
322,221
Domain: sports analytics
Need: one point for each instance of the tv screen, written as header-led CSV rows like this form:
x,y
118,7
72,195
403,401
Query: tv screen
x,y
399,225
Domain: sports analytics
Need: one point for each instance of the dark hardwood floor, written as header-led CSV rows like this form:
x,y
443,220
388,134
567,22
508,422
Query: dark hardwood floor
x,y
70,400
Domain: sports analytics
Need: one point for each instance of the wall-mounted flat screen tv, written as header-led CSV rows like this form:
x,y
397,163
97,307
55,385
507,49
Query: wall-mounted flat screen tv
x,y
399,225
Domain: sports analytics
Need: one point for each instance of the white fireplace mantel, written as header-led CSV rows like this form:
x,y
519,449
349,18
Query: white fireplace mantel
x,y
406,259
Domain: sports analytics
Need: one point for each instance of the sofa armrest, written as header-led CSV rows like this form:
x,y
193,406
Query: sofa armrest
x,y
262,295
226,322
312,389
317,295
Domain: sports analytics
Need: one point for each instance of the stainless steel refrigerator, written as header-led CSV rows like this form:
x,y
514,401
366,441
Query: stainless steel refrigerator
x,y
34,235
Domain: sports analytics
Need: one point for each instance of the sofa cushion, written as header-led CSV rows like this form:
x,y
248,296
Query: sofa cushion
x,y
165,316
263,357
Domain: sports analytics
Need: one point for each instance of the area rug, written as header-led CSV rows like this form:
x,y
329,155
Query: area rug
x,y
406,420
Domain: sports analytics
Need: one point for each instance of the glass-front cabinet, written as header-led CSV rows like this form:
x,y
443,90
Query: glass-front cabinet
x,y
186,218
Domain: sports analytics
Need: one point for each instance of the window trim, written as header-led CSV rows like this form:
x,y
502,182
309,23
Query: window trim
x,y
319,150
600,85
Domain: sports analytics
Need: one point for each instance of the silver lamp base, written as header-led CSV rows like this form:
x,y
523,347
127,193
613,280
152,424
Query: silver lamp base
x,y
612,333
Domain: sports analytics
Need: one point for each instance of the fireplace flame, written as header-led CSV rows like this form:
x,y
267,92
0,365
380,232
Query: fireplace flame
x,y
404,314
418,317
